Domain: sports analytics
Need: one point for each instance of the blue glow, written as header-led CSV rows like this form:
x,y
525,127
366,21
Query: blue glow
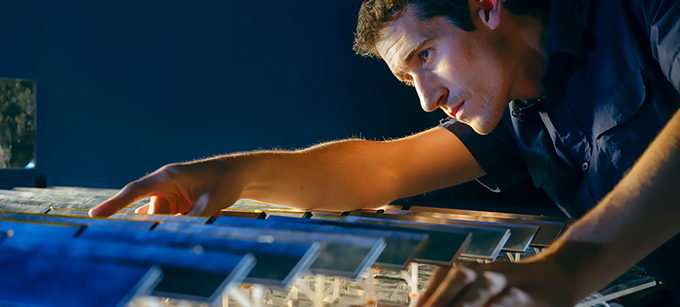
x,y
30,165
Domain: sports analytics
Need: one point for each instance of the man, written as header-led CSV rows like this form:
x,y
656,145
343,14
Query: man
x,y
590,85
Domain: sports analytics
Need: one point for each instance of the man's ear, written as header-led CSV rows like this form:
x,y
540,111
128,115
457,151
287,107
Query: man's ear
x,y
489,12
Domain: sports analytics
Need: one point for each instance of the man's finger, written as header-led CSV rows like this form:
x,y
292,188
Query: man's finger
x,y
511,297
143,209
131,193
199,205
159,205
486,287
437,276
209,204
455,281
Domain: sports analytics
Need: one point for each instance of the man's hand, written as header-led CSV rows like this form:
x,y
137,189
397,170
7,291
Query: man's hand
x,y
197,188
538,282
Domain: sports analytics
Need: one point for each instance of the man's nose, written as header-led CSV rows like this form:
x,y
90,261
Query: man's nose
x,y
431,96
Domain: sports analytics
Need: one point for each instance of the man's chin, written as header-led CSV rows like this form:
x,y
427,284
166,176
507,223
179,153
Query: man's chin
x,y
483,126
482,132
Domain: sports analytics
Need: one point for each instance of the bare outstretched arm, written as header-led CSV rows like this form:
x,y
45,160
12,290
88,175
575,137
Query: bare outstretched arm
x,y
343,175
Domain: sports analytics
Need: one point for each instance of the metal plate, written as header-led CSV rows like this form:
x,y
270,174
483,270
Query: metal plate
x,y
277,263
160,218
401,249
27,191
244,214
33,280
95,250
182,269
82,190
550,227
339,254
490,214
40,228
86,221
520,235
446,242
86,197
46,201
11,207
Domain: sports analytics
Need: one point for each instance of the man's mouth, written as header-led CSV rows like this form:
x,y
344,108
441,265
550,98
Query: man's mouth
x,y
455,111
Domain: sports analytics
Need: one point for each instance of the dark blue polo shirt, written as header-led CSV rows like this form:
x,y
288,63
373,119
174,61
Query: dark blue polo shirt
x,y
611,85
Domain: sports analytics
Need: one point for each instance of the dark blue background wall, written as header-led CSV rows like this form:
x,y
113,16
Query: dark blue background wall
x,y
128,86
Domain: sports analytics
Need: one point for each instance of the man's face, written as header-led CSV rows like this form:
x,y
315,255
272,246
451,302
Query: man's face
x,y
460,72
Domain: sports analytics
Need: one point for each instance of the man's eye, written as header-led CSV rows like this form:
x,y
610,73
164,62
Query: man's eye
x,y
424,55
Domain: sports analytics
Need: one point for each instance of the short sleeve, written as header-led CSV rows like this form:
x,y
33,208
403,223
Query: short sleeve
x,y
662,21
497,153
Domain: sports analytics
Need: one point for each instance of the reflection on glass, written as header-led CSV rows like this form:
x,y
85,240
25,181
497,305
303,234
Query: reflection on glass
x,y
17,123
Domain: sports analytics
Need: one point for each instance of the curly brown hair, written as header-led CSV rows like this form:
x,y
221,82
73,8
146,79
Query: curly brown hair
x,y
374,15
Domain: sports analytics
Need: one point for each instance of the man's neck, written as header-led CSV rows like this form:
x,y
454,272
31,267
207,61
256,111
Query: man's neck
x,y
530,41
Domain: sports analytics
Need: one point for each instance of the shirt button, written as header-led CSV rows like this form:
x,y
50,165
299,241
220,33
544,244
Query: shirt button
x,y
585,166
557,108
